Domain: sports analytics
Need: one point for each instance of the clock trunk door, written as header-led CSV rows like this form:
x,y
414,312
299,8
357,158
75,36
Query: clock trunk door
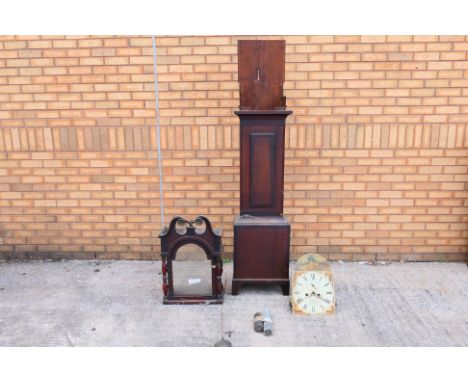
x,y
262,148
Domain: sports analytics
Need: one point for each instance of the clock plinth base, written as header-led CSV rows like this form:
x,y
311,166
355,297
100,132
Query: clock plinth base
x,y
261,252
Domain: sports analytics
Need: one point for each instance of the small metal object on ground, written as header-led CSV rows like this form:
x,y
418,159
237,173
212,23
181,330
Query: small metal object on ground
x,y
258,322
263,322
267,322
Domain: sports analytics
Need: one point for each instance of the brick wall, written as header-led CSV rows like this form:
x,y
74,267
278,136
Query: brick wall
x,y
376,150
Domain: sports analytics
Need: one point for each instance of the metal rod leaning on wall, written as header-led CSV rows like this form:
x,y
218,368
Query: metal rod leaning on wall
x,y
158,129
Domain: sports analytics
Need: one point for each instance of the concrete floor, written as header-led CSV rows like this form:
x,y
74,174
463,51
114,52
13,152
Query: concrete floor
x,y
73,304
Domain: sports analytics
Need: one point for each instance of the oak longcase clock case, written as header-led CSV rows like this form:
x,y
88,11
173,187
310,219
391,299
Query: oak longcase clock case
x,y
261,232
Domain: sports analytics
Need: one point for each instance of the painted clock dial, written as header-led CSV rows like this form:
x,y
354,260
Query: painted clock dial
x,y
313,292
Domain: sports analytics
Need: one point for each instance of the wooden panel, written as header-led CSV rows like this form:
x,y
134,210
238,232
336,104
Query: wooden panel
x,y
264,253
262,169
261,252
261,74
262,162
